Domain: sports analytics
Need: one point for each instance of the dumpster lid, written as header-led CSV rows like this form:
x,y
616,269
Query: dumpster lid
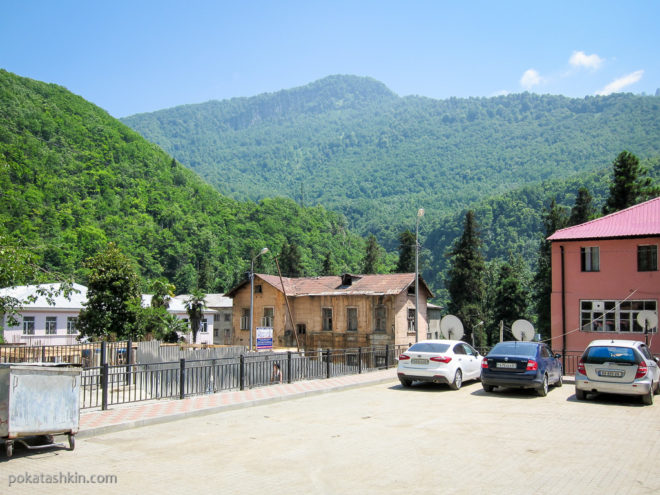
x,y
44,365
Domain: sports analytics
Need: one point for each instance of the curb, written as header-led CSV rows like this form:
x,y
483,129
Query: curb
x,y
102,430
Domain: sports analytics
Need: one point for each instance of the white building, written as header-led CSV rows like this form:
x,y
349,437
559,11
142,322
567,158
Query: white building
x,y
40,323
222,326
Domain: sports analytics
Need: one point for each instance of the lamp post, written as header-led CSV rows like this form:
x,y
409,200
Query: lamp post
x,y
420,214
263,251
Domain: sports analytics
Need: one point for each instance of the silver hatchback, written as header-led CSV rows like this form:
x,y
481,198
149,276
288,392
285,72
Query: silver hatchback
x,y
624,367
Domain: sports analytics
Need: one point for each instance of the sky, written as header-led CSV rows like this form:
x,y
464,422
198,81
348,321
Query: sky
x,y
139,56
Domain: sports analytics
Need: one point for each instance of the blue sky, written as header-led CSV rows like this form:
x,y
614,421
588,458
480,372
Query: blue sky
x,y
139,56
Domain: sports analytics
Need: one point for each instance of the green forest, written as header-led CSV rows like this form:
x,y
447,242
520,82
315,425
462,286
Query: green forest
x,y
352,145
73,179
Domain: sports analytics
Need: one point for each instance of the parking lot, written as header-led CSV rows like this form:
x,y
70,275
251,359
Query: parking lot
x,y
375,439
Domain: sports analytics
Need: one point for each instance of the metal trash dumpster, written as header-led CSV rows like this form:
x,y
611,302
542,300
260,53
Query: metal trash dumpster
x,y
39,399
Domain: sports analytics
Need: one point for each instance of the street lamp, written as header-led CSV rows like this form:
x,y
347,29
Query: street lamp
x,y
420,214
263,251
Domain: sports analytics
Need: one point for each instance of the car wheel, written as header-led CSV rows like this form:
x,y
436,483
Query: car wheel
x,y
648,398
405,382
542,391
656,390
487,388
580,394
458,380
560,382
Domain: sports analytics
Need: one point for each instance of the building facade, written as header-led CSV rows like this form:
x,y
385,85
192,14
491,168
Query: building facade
x,y
604,273
336,312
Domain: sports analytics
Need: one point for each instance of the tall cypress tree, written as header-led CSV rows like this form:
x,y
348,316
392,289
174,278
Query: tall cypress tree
x,y
583,210
555,218
465,279
291,261
407,245
371,257
630,185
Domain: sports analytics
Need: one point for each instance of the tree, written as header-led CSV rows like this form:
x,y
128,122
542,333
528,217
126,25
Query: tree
x,y
113,297
407,245
511,299
583,210
371,258
465,277
163,292
195,308
290,260
555,218
630,185
328,265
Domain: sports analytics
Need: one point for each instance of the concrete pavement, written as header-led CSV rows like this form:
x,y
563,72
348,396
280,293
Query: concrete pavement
x,y
376,438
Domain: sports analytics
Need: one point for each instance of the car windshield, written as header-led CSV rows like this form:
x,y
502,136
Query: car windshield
x,y
527,349
609,354
429,347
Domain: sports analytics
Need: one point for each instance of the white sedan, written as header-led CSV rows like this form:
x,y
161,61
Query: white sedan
x,y
439,361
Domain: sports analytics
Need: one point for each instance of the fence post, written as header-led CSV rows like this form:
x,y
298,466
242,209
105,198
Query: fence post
x,y
288,366
359,360
242,371
182,378
129,352
387,356
43,353
104,352
327,353
104,386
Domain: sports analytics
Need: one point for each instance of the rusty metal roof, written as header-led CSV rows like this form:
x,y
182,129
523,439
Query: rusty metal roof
x,y
637,221
373,285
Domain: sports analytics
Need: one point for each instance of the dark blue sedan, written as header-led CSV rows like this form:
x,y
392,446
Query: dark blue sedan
x,y
521,365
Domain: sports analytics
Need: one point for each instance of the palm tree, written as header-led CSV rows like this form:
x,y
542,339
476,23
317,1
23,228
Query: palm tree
x,y
195,308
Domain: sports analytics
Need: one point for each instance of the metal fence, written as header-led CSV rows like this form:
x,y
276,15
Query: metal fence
x,y
105,385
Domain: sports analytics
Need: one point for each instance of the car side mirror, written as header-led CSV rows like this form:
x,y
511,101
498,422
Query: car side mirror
x,y
656,359
557,356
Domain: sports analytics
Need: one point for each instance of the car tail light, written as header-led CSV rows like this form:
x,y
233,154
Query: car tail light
x,y
441,359
403,357
484,363
581,369
642,369
532,365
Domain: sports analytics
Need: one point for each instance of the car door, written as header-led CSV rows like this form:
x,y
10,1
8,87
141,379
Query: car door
x,y
550,364
472,363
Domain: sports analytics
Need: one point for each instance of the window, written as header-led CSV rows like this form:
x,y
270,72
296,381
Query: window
x,y
215,332
590,259
326,315
28,325
614,316
647,258
411,320
267,320
245,319
352,316
51,325
204,326
301,328
227,316
71,323
380,318
258,289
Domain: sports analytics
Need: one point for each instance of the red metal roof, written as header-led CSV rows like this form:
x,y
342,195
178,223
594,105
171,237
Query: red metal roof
x,y
637,221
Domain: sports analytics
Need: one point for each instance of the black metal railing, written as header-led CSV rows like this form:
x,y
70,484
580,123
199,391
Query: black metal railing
x,y
105,385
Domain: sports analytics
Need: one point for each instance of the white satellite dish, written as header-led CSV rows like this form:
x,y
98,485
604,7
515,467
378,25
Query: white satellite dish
x,y
648,320
451,327
522,330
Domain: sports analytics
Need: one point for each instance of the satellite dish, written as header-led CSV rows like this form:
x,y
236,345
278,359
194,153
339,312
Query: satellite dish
x,y
522,330
648,320
451,327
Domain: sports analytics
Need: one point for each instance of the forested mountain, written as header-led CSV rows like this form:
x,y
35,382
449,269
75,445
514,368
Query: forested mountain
x,y
353,146
72,179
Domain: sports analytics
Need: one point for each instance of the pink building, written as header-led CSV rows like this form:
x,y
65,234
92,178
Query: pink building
x,y
604,273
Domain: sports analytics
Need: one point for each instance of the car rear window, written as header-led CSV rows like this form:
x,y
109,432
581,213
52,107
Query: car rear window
x,y
429,347
514,348
609,354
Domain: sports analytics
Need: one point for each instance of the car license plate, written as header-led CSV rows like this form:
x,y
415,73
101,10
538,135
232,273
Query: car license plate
x,y
505,365
419,361
610,373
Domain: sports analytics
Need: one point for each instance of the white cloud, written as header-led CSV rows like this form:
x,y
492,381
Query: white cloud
x,y
618,84
530,79
581,59
502,92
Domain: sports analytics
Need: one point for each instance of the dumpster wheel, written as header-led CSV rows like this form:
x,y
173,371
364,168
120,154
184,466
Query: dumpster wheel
x,y
72,442
9,448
